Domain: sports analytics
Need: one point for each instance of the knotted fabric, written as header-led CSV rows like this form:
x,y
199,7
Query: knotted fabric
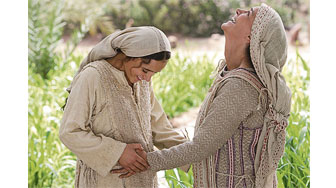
x,y
268,49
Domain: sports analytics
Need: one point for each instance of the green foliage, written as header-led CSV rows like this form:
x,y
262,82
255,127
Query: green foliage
x,y
50,163
183,83
178,178
45,28
294,167
90,13
289,10
195,17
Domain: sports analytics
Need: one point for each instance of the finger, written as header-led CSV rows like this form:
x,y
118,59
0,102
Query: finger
x,y
140,166
126,175
130,170
134,168
119,171
137,146
142,161
142,154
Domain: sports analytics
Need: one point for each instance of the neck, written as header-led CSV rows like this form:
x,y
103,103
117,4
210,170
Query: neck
x,y
117,61
235,55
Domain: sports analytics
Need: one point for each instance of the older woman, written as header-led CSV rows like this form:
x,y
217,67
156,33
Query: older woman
x,y
111,105
240,130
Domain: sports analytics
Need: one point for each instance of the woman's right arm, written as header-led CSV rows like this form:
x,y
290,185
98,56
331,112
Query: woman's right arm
x,y
97,151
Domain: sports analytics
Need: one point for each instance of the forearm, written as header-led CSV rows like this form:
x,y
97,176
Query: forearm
x,y
99,152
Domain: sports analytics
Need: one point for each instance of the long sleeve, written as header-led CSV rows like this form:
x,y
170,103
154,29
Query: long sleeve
x,y
164,136
97,151
232,104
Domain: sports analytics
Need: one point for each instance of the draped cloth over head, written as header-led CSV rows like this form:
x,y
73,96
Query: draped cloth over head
x,y
268,49
133,42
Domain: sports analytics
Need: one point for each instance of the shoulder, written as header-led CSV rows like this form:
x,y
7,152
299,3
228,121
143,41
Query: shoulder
x,y
88,76
237,86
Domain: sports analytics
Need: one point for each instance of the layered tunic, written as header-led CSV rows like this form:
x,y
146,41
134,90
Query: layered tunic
x,y
102,115
227,129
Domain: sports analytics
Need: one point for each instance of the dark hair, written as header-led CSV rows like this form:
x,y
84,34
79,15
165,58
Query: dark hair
x,y
164,55
248,53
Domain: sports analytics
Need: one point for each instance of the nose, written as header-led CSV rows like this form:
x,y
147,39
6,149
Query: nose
x,y
239,11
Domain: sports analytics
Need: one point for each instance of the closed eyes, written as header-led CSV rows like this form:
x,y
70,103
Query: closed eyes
x,y
147,70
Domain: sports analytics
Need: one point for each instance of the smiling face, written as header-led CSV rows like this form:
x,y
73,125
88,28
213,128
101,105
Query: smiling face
x,y
239,27
237,33
142,69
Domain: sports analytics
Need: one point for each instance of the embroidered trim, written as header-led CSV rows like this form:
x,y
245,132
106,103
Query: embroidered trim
x,y
230,144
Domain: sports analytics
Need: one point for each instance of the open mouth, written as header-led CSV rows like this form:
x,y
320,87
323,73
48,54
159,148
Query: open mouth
x,y
233,20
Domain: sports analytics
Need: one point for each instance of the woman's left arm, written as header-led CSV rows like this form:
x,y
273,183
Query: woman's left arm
x,y
233,103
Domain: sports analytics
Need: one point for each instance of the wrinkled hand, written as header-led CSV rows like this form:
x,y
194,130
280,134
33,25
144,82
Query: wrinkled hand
x,y
127,173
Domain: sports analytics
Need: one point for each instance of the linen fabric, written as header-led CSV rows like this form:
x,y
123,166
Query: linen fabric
x,y
133,42
268,49
222,127
227,129
102,116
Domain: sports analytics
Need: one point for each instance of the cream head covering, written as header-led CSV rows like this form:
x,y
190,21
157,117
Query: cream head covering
x,y
133,42
268,49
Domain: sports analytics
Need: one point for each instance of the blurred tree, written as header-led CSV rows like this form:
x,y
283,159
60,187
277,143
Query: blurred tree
x,y
90,12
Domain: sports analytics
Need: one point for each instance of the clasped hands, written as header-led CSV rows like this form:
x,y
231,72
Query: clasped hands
x,y
133,160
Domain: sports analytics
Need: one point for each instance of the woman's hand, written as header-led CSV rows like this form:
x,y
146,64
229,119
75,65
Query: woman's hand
x,y
131,161
127,173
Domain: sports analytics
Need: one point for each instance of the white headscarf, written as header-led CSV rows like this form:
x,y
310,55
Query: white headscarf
x,y
133,42
268,49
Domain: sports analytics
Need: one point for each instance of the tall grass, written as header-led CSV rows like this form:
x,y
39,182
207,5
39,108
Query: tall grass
x,y
294,167
50,163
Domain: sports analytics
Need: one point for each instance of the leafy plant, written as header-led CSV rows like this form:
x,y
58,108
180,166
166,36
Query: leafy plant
x,y
45,27
50,163
294,167
178,178
90,13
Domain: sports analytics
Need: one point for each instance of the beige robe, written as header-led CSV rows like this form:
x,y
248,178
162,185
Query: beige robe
x,y
102,115
227,129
